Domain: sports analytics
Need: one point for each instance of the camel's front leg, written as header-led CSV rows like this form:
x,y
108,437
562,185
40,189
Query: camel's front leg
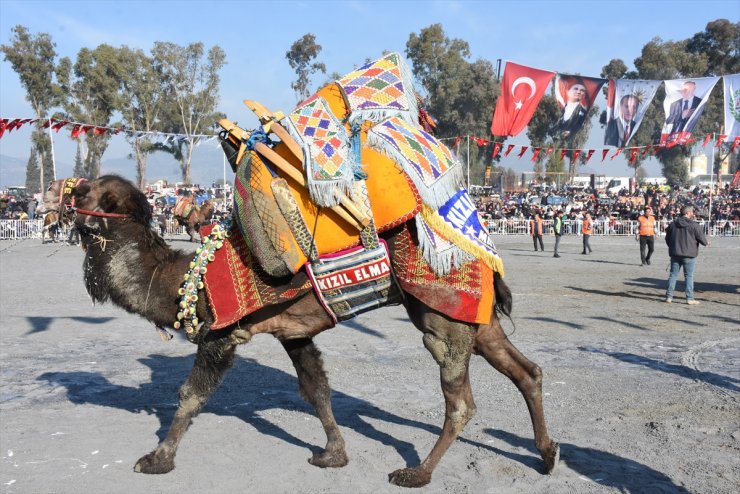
x,y
214,358
453,356
314,387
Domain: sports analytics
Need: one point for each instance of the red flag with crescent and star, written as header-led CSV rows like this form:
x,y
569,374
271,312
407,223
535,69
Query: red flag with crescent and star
x,y
522,89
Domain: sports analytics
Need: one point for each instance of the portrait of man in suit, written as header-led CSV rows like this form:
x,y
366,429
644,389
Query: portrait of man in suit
x,y
682,116
574,112
620,129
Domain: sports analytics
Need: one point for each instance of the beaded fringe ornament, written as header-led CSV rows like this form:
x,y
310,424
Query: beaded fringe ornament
x,y
193,279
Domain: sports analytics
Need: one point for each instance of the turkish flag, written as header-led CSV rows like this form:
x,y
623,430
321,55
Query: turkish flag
x,y
522,89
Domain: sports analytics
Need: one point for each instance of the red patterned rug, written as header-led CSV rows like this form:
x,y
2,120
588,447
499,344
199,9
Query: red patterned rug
x,y
236,286
465,293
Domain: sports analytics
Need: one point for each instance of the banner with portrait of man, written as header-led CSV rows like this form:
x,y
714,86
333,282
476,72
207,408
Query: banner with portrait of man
x,y
732,106
684,103
627,101
575,95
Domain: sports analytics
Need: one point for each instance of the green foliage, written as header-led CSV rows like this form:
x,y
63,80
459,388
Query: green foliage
x,y
144,93
300,57
459,93
32,58
713,52
92,87
191,83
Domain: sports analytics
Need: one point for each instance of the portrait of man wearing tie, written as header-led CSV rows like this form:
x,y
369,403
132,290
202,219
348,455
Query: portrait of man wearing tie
x,y
620,129
682,116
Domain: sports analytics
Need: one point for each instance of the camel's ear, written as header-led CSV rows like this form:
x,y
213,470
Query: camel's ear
x,y
81,190
108,202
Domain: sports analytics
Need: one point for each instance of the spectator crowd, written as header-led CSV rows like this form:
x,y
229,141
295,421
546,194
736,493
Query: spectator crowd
x,y
665,202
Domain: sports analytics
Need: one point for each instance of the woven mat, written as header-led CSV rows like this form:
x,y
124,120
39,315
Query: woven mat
x,y
327,152
380,89
236,286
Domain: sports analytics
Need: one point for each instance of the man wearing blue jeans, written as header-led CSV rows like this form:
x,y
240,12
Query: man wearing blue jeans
x,y
683,237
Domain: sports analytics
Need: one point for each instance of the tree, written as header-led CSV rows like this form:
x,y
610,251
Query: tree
x,y
300,57
92,87
713,52
144,93
33,59
459,93
193,82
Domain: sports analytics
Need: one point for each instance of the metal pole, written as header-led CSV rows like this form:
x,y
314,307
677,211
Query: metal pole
x,y
468,161
53,160
711,182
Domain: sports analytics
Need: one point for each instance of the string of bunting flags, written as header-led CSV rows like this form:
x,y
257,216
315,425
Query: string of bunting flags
x,y
79,129
631,153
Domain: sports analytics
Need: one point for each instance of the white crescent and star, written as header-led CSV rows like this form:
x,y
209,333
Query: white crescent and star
x,y
523,80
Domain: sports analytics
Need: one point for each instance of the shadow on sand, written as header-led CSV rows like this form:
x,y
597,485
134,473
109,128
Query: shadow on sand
x,y
712,378
271,388
604,468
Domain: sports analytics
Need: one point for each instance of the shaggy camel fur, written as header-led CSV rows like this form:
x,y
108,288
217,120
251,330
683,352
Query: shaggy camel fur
x,y
127,263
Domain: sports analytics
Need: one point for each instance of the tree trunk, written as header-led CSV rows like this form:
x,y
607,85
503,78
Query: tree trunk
x,y
141,162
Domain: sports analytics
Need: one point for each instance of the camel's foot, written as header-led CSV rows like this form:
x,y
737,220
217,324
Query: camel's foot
x,y
329,459
551,457
410,477
155,462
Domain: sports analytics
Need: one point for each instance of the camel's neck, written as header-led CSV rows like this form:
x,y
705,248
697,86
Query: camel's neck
x,y
136,270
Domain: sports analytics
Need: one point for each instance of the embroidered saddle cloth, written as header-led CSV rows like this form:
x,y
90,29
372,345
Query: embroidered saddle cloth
x,y
359,138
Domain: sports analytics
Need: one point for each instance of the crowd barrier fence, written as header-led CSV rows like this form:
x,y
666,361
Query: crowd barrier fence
x,y
22,229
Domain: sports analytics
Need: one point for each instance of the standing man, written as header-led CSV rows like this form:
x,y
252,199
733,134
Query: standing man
x,y
557,226
683,237
535,230
587,230
646,235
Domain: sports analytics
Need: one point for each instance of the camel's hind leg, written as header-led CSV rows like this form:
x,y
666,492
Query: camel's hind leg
x,y
495,347
213,359
314,387
450,344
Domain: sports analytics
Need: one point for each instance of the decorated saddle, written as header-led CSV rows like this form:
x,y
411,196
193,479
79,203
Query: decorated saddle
x,y
314,188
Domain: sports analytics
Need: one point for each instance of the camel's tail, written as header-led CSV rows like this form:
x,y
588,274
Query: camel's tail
x,y
502,305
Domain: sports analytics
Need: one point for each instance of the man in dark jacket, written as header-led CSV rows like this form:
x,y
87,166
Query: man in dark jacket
x,y
683,237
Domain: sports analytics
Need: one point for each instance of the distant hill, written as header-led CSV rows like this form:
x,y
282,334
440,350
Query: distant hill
x,y
207,168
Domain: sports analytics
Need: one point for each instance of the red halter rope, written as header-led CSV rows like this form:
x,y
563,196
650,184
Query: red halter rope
x,y
101,214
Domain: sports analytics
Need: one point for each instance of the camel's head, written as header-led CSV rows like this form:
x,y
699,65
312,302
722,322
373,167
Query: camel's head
x,y
53,195
109,198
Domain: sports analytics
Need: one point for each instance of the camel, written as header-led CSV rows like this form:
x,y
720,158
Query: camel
x,y
194,217
129,264
51,226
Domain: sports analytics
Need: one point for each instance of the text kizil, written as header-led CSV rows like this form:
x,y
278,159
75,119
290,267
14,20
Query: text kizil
x,y
354,275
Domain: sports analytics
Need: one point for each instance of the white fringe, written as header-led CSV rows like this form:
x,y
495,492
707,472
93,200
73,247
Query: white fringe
x,y
442,261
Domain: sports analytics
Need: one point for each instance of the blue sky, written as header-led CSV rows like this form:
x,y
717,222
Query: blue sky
x,y
568,37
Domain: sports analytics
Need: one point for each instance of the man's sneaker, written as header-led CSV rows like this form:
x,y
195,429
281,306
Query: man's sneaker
x,y
693,302
669,301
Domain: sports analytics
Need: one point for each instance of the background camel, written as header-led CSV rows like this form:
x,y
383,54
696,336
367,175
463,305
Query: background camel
x,y
129,264
193,216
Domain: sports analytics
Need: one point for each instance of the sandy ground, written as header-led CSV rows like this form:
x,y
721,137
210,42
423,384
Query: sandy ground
x,y
642,395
